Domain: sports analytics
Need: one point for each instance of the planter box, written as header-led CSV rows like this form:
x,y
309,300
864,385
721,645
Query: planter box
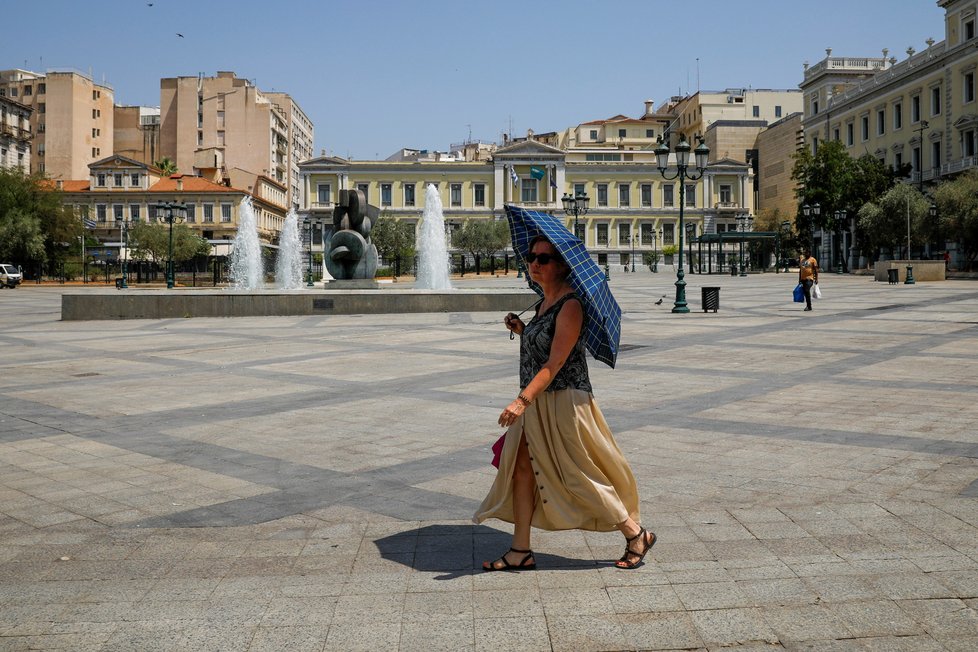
x,y
923,270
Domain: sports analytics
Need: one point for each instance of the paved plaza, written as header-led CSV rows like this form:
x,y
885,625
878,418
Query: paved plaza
x,y
307,483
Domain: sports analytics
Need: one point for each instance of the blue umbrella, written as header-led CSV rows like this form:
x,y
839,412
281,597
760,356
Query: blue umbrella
x,y
603,316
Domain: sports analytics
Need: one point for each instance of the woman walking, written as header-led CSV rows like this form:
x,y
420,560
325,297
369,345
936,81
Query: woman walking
x,y
560,467
807,274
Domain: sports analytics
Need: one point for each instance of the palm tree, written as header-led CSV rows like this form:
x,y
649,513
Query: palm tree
x,y
167,166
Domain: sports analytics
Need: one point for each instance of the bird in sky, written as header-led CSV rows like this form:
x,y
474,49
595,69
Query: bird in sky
x,y
149,4
180,35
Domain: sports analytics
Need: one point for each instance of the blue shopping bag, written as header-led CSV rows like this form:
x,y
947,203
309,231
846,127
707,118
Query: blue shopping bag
x,y
799,293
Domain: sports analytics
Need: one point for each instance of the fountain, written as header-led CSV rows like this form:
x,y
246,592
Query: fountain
x,y
247,267
288,266
432,245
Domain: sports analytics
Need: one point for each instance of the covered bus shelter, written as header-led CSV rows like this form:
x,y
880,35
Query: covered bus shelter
x,y
725,250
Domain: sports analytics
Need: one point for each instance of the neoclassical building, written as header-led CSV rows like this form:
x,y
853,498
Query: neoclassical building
x,y
921,110
633,210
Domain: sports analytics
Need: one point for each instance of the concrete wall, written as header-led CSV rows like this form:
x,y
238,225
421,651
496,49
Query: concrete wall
x,y
923,270
180,304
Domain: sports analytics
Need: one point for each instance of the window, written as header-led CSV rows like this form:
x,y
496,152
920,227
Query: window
x,y
624,195
602,157
365,189
118,212
208,212
133,212
594,134
94,115
935,154
915,109
528,190
602,194
117,179
220,139
968,143
898,116
621,133
935,100
969,87
690,194
969,32
134,179
150,212
96,95
647,234
850,137
220,119
668,234
479,193
100,180
385,194
191,213
200,138
777,110
757,111
100,212
881,122
602,234
650,133
726,193
28,90
409,194
42,89
323,192
898,161
814,107
455,196
915,161
624,234
668,199
94,133
13,92
647,194
225,212
864,127
579,230
836,136
200,120
579,189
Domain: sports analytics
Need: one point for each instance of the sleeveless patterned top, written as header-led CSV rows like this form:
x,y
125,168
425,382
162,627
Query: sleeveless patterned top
x,y
535,345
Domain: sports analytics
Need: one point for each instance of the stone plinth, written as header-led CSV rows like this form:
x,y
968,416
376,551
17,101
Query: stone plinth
x,y
923,270
170,304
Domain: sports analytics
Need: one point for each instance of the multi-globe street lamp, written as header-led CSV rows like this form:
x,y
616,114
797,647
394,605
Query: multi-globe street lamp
x,y
745,223
307,230
633,250
170,212
690,234
840,218
785,229
124,238
576,205
811,213
702,156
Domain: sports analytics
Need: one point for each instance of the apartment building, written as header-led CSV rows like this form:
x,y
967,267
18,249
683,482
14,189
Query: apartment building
x,y
136,133
15,135
72,119
210,125
633,209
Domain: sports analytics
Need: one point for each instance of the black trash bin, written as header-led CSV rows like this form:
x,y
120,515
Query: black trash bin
x,y
118,283
893,276
711,298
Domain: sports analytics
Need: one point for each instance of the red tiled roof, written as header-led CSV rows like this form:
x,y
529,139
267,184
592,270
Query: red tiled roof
x,y
190,184
70,185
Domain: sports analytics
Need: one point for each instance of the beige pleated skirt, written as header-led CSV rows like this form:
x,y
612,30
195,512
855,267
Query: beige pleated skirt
x,y
583,480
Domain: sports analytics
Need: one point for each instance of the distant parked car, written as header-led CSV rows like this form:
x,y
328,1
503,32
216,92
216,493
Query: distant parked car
x,y
10,276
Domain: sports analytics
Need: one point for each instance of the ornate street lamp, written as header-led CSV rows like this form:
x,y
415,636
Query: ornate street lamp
x,y
840,217
702,155
124,237
633,251
170,212
811,213
307,228
690,234
785,228
576,205
745,223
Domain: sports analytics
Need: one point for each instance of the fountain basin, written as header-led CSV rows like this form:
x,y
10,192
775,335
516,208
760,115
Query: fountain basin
x,y
162,304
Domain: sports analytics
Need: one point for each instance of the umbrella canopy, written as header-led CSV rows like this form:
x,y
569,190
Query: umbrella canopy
x,y
603,315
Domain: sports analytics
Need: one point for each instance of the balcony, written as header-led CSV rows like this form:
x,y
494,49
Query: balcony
x,y
321,206
728,206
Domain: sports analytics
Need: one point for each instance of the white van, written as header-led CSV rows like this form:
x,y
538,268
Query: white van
x,y
10,276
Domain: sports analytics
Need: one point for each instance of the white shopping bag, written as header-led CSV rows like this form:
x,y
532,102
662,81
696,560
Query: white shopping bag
x,y
816,293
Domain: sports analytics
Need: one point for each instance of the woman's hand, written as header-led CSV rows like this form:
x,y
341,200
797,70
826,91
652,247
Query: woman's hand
x,y
514,323
512,412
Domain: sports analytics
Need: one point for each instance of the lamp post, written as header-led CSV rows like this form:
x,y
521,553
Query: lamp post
x,y
702,155
124,237
920,173
690,234
745,223
633,251
170,212
576,205
811,212
840,217
307,227
786,228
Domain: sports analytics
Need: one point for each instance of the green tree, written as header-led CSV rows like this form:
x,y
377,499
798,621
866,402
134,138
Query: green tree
x,y
483,238
957,210
884,222
35,227
166,166
393,238
151,241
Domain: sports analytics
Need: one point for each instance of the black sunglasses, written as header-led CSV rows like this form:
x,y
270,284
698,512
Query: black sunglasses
x,y
543,259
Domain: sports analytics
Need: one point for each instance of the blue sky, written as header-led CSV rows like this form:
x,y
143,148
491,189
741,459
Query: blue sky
x,y
377,75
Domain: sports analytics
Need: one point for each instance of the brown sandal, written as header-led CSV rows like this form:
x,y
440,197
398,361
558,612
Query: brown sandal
x,y
624,562
520,566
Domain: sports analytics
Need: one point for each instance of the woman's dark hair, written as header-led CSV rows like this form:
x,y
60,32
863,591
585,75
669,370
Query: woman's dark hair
x,y
543,238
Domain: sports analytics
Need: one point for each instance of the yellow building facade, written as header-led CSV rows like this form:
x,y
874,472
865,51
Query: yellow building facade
x,y
633,210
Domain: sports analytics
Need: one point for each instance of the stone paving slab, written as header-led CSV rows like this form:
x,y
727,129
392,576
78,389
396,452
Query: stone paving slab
x,y
306,483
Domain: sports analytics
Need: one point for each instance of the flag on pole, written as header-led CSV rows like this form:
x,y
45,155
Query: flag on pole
x,y
553,176
512,174
90,224
537,172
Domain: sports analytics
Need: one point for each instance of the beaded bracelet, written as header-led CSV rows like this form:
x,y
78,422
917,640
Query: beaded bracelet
x,y
524,399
